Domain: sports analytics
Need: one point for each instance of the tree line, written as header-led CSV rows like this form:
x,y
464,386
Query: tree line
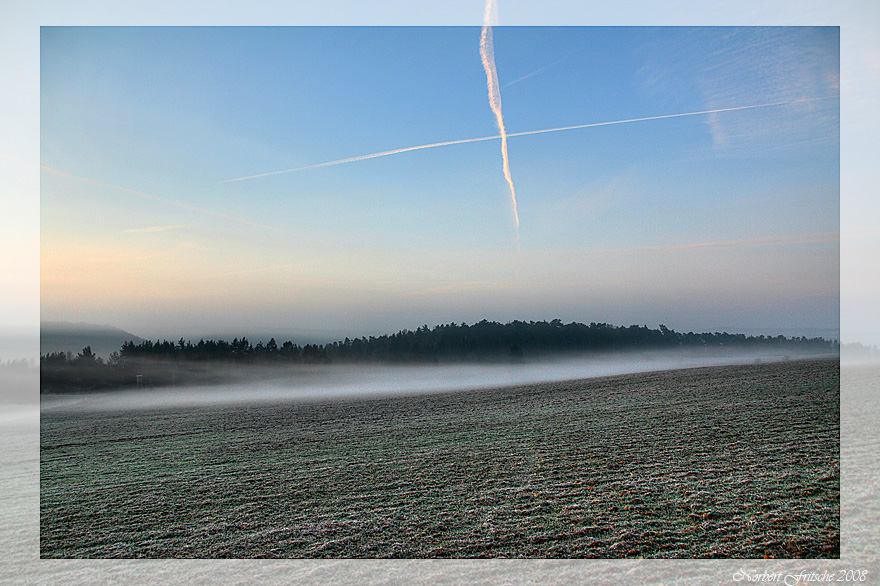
x,y
183,362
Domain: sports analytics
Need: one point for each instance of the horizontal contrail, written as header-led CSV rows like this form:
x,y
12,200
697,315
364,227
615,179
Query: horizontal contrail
x,y
364,157
666,116
526,133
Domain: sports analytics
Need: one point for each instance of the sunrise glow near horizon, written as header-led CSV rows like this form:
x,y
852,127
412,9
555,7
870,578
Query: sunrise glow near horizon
x,y
728,220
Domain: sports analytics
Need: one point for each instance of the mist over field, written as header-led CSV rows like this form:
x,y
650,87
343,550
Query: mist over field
x,y
726,461
321,382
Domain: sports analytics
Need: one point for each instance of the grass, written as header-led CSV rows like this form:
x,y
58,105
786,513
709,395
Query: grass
x,y
739,461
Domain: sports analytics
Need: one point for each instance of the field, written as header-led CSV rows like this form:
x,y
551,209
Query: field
x,y
733,461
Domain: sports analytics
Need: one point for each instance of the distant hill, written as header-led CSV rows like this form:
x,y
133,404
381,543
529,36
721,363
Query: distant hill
x,y
61,336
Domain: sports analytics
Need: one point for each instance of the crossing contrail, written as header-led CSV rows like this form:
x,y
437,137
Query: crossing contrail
x,y
535,72
525,133
487,55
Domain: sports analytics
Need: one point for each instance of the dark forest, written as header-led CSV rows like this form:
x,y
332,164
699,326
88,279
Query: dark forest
x,y
161,363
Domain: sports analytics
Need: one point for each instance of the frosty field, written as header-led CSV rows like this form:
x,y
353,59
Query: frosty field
x,y
728,461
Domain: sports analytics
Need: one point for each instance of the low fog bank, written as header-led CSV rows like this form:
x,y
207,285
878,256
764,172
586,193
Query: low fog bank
x,y
328,382
858,353
19,383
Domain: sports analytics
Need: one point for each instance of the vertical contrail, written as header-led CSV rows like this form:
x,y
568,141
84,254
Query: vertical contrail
x,y
487,54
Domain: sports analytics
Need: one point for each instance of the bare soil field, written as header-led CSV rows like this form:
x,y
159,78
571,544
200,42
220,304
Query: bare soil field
x,y
731,462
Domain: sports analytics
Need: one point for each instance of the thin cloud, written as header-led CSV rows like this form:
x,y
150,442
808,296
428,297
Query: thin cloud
x,y
17,160
95,257
500,285
155,198
819,238
256,270
833,292
535,72
168,251
456,287
150,229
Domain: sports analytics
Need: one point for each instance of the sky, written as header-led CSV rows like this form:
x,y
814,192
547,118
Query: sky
x,y
20,145
162,212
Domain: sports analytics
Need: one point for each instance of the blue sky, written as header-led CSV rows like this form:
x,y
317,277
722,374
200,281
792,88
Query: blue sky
x,y
726,220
